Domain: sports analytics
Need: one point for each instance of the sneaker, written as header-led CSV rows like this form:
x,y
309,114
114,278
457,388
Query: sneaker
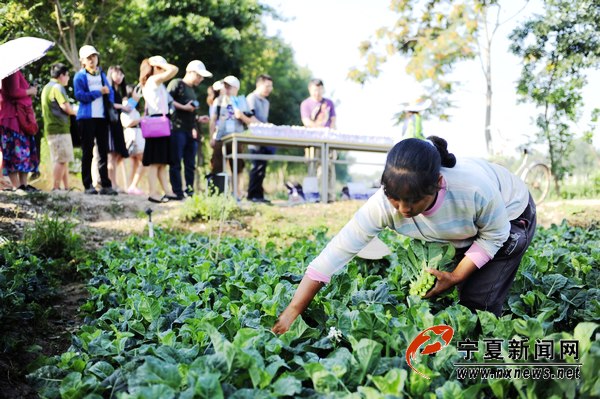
x,y
134,191
91,191
108,191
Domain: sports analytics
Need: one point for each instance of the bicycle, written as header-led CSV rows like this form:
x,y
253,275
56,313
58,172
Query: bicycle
x,y
536,175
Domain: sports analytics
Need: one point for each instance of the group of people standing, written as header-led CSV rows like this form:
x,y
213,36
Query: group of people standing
x,y
109,126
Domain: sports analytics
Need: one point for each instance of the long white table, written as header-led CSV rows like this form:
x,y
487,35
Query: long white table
x,y
325,145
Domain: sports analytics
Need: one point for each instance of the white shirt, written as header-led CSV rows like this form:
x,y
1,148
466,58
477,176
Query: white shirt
x,y
156,97
95,83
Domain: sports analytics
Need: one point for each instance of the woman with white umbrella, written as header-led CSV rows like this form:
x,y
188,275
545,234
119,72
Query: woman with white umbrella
x,y
20,154
17,120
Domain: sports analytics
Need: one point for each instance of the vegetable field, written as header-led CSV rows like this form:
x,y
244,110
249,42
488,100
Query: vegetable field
x,y
182,316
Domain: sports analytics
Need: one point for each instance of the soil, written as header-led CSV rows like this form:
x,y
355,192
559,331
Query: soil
x,y
100,219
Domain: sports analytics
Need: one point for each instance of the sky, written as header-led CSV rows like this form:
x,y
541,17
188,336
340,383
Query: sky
x,y
325,35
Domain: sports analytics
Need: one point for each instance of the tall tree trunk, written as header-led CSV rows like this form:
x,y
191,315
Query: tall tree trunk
x,y
488,100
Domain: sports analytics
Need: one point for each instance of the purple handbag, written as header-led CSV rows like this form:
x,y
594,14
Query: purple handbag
x,y
155,126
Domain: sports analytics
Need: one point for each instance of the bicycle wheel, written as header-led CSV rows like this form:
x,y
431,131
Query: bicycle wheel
x,y
537,178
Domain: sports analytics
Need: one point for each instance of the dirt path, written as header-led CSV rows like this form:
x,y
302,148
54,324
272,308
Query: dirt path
x,y
102,218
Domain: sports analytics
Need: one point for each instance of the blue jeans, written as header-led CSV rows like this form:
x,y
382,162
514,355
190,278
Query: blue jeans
x,y
183,146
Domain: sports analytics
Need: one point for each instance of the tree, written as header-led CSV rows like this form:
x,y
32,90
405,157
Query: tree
x,y
69,24
229,37
436,35
556,49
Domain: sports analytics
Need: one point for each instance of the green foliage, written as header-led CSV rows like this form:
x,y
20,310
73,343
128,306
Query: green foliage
x,y
30,273
556,48
166,319
53,238
208,206
229,37
435,35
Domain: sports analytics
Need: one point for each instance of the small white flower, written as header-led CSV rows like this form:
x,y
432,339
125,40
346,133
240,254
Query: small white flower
x,y
334,333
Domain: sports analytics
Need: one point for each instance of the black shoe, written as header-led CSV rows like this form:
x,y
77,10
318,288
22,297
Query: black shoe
x,y
91,191
158,201
175,197
260,200
30,189
108,191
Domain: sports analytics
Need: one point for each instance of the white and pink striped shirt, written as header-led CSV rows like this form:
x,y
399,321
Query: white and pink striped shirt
x,y
473,209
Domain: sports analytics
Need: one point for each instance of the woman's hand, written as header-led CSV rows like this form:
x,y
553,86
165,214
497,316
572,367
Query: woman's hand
x,y
306,291
445,281
285,320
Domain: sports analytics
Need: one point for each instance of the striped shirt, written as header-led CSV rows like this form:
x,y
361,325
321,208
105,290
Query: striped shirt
x,y
473,209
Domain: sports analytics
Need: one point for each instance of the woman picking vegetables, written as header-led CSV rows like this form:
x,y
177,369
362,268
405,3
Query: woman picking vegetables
x,y
480,208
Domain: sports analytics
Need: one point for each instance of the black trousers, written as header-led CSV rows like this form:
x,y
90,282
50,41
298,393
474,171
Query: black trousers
x,y
258,173
90,130
182,146
487,288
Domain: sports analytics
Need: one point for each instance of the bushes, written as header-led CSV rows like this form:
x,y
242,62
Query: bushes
x,y
206,206
30,273
52,238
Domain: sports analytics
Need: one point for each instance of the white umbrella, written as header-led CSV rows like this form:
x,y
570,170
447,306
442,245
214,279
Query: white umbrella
x,y
21,52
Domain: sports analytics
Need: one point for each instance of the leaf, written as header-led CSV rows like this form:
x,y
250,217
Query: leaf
x,y
101,369
367,353
392,383
74,387
287,386
154,391
203,386
583,332
378,295
553,282
298,330
156,371
323,380
450,390
149,308
531,328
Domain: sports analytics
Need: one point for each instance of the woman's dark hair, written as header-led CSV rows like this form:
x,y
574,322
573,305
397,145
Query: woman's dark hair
x,y
121,87
413,167
58,69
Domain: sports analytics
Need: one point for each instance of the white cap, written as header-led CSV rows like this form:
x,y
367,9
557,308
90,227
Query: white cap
x,y
199,68
218,85
157,60
232,81
86,51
